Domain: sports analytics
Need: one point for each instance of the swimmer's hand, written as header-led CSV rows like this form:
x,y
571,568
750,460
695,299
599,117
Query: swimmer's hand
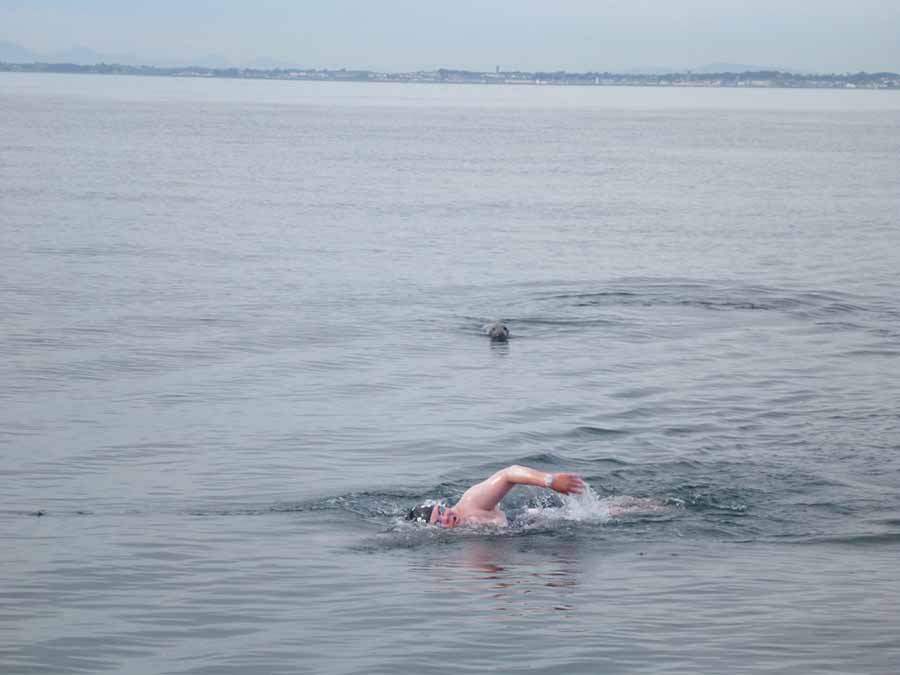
x,y
568,484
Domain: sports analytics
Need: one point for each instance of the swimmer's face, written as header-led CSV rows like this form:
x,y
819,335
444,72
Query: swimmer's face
x,y
444,516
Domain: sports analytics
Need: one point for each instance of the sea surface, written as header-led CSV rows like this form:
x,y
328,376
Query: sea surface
x,y
241,333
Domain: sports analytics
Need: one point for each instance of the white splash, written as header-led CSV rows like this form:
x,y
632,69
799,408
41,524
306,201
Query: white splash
x,y
588,507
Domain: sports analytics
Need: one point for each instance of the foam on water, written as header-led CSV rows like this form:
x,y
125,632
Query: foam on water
x,y
589,507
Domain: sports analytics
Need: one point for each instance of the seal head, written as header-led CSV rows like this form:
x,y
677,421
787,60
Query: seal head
x,y
498,332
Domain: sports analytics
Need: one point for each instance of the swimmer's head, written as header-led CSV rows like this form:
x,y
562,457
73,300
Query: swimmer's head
x,y
421,513
434,514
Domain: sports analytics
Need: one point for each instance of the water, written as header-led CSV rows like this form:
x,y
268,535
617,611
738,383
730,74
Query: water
x,y
241,334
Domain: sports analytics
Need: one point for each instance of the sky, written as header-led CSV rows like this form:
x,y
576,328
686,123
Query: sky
x,y
403,35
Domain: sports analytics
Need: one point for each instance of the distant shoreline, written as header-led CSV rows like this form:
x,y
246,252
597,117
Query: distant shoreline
x,y
764,79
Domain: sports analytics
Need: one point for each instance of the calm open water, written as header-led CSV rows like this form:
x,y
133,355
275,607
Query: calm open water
x,y
241,334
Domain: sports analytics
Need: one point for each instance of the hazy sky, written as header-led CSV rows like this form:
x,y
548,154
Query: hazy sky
x,y
575,35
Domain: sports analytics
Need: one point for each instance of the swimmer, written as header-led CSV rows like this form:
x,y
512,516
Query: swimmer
x,y
479,505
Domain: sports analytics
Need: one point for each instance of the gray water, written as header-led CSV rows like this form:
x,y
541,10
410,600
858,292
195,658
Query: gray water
x,y
241,334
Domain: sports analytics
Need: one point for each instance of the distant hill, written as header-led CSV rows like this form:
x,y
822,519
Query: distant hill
x,y
85,56
270,64
205,61
13,53
88,57
703,70
650,70
737,68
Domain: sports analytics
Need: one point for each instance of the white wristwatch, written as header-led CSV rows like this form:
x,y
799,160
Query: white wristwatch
x,y
548,480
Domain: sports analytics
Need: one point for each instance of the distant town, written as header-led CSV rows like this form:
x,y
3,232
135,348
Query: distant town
x,y
761,78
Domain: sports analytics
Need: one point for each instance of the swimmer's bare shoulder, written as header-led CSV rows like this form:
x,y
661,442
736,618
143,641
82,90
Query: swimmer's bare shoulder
x,y
495,517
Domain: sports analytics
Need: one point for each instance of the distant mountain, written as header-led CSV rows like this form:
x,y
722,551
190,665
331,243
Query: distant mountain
x,y
85,56
270,64
650,70
204,61
735,68
13,53
88,57
702,70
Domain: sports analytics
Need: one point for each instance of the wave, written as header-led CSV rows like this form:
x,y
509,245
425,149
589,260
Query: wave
x,y
736,501
539,309
858,539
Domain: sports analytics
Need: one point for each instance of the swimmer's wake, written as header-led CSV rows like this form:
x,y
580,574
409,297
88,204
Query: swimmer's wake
x,y
588,507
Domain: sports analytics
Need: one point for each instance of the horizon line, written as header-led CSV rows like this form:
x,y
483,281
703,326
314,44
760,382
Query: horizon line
x,y
632,72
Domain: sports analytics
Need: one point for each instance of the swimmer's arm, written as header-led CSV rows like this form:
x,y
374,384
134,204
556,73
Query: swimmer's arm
x,y
566,483
487,494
